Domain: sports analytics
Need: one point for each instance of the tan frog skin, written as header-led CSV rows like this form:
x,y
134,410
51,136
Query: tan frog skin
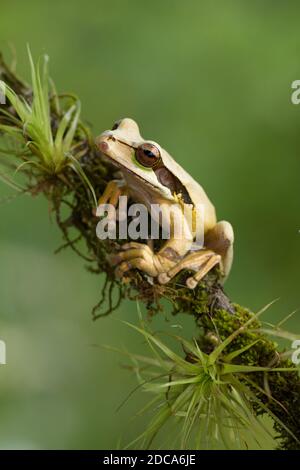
x,y
151,176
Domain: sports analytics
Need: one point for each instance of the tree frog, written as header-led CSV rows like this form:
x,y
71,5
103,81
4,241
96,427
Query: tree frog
x,y
151,176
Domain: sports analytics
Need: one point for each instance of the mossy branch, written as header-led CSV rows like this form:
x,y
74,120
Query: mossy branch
x,y
71,173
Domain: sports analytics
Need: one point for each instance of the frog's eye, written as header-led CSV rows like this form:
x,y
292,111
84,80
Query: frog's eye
x,y
147,155
116,125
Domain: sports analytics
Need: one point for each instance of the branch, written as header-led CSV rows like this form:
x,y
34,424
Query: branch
x,y
71,180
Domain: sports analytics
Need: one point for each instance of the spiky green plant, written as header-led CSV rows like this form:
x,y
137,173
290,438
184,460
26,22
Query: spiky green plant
x,y
47,136
33,121
213,396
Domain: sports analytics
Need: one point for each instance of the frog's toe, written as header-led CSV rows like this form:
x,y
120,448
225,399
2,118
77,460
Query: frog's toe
x,y
163,278
122,268
191,283
114,260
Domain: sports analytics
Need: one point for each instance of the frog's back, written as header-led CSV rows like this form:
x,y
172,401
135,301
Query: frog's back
x,y
194,189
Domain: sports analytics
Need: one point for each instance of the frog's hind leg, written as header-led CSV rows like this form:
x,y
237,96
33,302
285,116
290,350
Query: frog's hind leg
x,y
218,250
114,189
195,261
220,239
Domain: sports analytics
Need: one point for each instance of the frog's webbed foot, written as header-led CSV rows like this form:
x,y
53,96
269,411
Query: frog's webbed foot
x,y
200,261
140,256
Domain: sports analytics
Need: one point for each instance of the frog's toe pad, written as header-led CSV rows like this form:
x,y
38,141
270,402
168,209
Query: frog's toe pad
x,y
191,283
114,259
163,278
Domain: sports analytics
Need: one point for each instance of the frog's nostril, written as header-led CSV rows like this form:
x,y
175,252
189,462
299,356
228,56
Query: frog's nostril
x,y
103,146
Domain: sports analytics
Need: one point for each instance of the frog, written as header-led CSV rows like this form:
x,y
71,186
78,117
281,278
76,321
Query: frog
x,y
149,175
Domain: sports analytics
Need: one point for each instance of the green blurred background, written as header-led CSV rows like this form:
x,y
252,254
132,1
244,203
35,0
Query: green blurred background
x,y
210,81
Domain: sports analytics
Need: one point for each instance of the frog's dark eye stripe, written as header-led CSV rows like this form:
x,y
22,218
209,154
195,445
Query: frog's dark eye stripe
x,y
166,178
148,155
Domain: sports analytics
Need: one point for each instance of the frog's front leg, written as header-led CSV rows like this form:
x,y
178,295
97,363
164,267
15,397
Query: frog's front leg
x,y
142,257
114,189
